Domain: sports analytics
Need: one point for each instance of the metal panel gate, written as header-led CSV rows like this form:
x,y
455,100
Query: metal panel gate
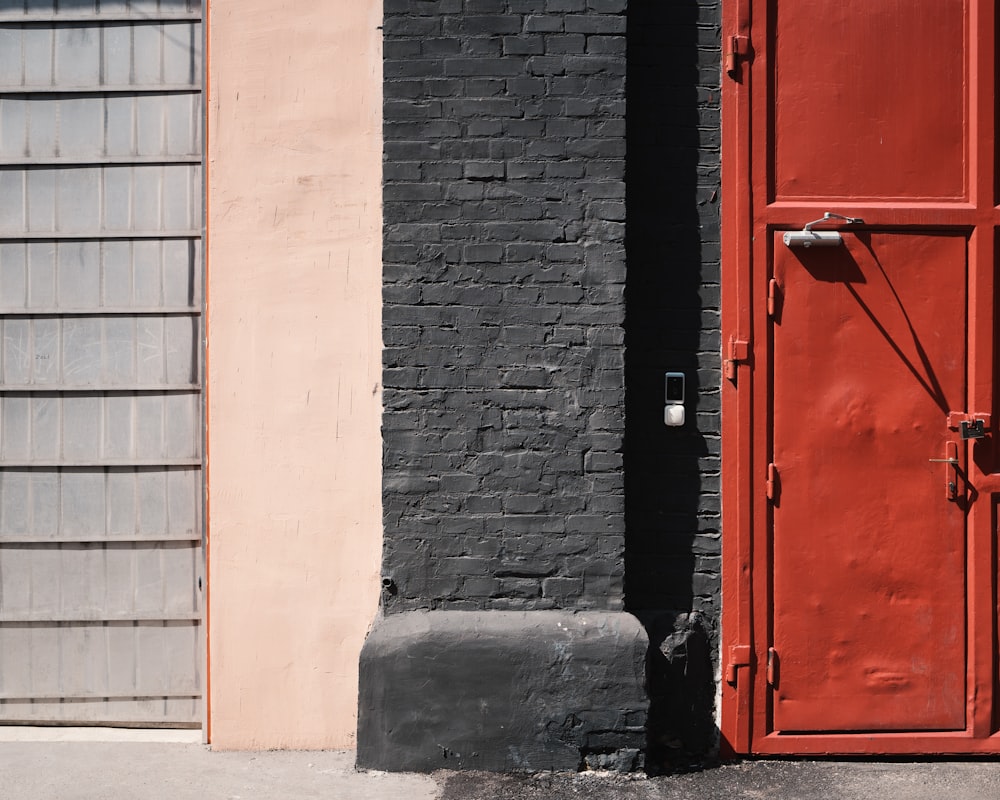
x,y
100,363
861,468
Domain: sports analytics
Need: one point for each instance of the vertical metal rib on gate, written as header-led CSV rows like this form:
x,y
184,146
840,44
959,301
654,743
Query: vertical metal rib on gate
x,y
100,393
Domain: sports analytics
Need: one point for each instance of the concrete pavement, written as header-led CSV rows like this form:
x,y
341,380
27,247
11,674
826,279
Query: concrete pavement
x,y
129,768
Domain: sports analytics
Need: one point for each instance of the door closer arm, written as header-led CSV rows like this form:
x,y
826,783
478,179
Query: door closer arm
x,y
807,237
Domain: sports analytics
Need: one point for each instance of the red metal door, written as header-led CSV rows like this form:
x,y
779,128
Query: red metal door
x,y
869,537
859,551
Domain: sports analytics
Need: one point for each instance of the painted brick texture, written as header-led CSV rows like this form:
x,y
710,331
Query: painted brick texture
x,y
673,305
673,503
504,278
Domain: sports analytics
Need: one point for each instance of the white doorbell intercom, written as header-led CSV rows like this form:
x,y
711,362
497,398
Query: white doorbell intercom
x,y
673,411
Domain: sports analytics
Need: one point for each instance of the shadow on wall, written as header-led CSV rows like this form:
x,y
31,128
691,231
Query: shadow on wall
x,y
672,500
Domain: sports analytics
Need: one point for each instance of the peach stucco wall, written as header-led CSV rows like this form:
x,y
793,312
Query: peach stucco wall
x,y
294,394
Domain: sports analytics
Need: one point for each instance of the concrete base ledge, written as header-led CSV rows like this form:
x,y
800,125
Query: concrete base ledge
x,y
503,691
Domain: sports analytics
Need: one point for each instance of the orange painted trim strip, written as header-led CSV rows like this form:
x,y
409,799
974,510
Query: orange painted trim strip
x,y
207,621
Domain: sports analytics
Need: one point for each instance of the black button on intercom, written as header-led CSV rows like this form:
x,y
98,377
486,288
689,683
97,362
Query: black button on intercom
x,y
675,387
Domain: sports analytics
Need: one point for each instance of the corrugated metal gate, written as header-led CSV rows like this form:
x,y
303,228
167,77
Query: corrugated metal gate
x,y
100,367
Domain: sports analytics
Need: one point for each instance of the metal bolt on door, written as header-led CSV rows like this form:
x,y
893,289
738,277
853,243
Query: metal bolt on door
x,y
100,362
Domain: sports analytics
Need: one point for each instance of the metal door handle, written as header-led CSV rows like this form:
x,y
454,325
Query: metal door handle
x,y
950,471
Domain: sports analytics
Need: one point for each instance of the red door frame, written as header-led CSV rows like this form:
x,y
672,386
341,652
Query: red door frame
x,y
745,714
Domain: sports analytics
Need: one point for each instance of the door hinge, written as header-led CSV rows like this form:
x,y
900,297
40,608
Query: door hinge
x,y
739,656
773,485
737,47
772,667
773,297
739,353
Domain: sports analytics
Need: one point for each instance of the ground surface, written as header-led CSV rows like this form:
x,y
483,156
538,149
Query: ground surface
x,y
156,770
141,771
773,780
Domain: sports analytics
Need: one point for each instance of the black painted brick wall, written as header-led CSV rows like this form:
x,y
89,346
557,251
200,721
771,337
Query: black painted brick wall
x,y
673,304
673,543
504,273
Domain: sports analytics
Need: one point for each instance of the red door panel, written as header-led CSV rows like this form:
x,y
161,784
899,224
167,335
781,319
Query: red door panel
x,y
860,546
870,100
869,574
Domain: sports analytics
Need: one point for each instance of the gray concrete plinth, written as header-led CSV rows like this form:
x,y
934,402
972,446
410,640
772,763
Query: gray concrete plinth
x,y
503,691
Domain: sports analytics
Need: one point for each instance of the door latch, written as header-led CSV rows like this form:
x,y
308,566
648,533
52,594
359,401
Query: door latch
x,y
971,426
973,429
951,463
